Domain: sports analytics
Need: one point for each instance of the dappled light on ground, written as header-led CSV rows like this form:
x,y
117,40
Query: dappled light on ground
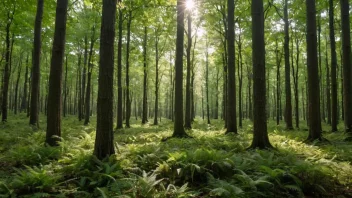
x,y
209,165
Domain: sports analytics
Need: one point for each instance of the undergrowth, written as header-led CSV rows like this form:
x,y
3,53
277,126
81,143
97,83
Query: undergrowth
x,y
210,165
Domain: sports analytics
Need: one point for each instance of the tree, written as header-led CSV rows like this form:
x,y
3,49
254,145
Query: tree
x,y
6,75
231,81
260,133
334,115
188,77
346,57
288,108
313,75
104,140
119,70
145,80
179,130
128,100
53,131
34,107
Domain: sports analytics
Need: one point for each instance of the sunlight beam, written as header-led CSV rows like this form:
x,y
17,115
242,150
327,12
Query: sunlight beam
x,y
189,4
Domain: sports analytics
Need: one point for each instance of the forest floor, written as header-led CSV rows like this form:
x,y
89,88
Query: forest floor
x,y
209,165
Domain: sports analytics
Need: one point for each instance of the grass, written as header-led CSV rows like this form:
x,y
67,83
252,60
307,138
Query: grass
x,y
209,165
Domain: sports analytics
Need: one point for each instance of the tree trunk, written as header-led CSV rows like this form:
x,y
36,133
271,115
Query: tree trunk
x,y
145,82
328,97
179,130
104,141
84,74
207,81
34,107
188,77
156,107
288,108
260,133
25,89
128,100
5,90
89,79
16,86
231,81
334,114
53,131
65,88
119,74
315,130
346,49
240,80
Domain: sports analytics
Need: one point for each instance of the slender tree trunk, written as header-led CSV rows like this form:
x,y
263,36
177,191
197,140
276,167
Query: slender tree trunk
x,y
89,79
25,88
5,90
104,141
119,73
80,88
16,86
240,81
145,82
128,100
315,130
334,114
53,131
288,108
84,74
328,97
188,77
207,81
179,130
231,84
156,107
65,88
260,134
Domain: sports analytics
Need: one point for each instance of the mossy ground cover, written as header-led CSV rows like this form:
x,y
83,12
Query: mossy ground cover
x,y
210,164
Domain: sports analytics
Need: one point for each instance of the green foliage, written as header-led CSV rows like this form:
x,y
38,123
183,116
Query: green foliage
x,y
210,165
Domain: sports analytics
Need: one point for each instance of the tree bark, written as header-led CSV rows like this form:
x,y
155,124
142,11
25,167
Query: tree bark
x,y
346,57
25,89
288,108
16,86
53,131
119,73
334,114
145,81
179,130
188,77
231,81
5,90
128,100
260,133
104,141
89,79
315,130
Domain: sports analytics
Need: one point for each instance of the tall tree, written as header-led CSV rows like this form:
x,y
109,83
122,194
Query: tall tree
x,y
179,130
34,107
288,108
128,100
334,115
119,69
231,81
315,130
6,75
346,56
53,131
25,89
260,133
89,79
104,140
145,80
188,77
